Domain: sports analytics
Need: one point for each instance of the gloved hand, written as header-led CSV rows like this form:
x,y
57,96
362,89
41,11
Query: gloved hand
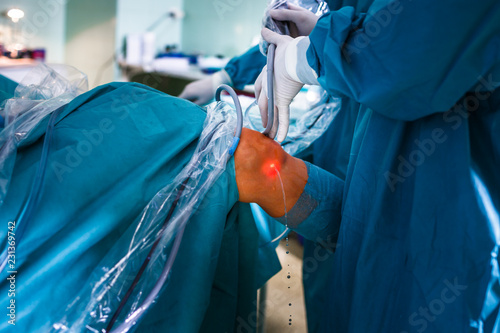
x,y
302,21
203,91
285,87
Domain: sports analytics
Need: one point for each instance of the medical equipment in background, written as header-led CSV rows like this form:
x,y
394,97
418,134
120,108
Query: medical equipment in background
x,y
14,45
13,41
140,48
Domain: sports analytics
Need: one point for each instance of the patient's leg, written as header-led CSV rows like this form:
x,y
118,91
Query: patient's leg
x,y
313,196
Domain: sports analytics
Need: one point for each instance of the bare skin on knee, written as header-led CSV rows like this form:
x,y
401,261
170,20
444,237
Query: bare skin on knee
x,y
256,160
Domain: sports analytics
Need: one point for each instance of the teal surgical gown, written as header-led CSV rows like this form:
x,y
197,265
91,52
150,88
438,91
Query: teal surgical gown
x,y
418,240
318,257
136,141
7,88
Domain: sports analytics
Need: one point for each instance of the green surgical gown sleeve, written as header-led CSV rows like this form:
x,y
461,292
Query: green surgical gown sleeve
x,y
408,59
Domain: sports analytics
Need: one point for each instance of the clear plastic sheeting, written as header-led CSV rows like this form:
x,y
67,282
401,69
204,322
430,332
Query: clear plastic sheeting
x,y
132,274
318,7
311,113
41,92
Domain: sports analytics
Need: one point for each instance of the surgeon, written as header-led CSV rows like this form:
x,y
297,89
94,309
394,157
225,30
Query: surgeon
x,y
240,71
318,253
418,219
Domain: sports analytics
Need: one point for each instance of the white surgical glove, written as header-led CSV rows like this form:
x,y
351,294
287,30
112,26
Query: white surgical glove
x,y
203,91
290,63
302,21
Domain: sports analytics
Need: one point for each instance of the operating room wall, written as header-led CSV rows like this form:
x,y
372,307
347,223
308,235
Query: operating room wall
x,y
41,27
90,38
137,16
225,27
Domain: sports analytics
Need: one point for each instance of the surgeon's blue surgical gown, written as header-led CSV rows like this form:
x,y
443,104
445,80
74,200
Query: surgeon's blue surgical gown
x,y
418,241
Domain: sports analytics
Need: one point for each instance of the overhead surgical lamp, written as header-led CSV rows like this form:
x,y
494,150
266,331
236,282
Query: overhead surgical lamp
x,y
15,14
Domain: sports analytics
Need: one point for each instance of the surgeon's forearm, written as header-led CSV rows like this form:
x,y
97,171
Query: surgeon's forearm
x,y
316,214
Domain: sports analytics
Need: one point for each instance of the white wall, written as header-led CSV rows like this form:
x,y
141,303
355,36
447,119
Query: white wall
x,y
224,27
86,33
42,26
90,38
135,16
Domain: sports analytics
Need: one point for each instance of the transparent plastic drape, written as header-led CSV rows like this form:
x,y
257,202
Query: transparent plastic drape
x,y
116,290
41,92
311,113
132,275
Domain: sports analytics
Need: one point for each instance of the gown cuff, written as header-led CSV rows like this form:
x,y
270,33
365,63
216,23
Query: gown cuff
x,y
317,213
296,62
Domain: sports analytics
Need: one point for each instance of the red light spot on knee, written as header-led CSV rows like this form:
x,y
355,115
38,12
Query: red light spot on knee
x,y
271,168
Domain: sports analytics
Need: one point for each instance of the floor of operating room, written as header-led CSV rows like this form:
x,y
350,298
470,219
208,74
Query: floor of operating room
x,y
279,296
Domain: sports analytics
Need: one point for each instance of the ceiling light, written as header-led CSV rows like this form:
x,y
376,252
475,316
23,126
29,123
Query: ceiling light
x,y
15,14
